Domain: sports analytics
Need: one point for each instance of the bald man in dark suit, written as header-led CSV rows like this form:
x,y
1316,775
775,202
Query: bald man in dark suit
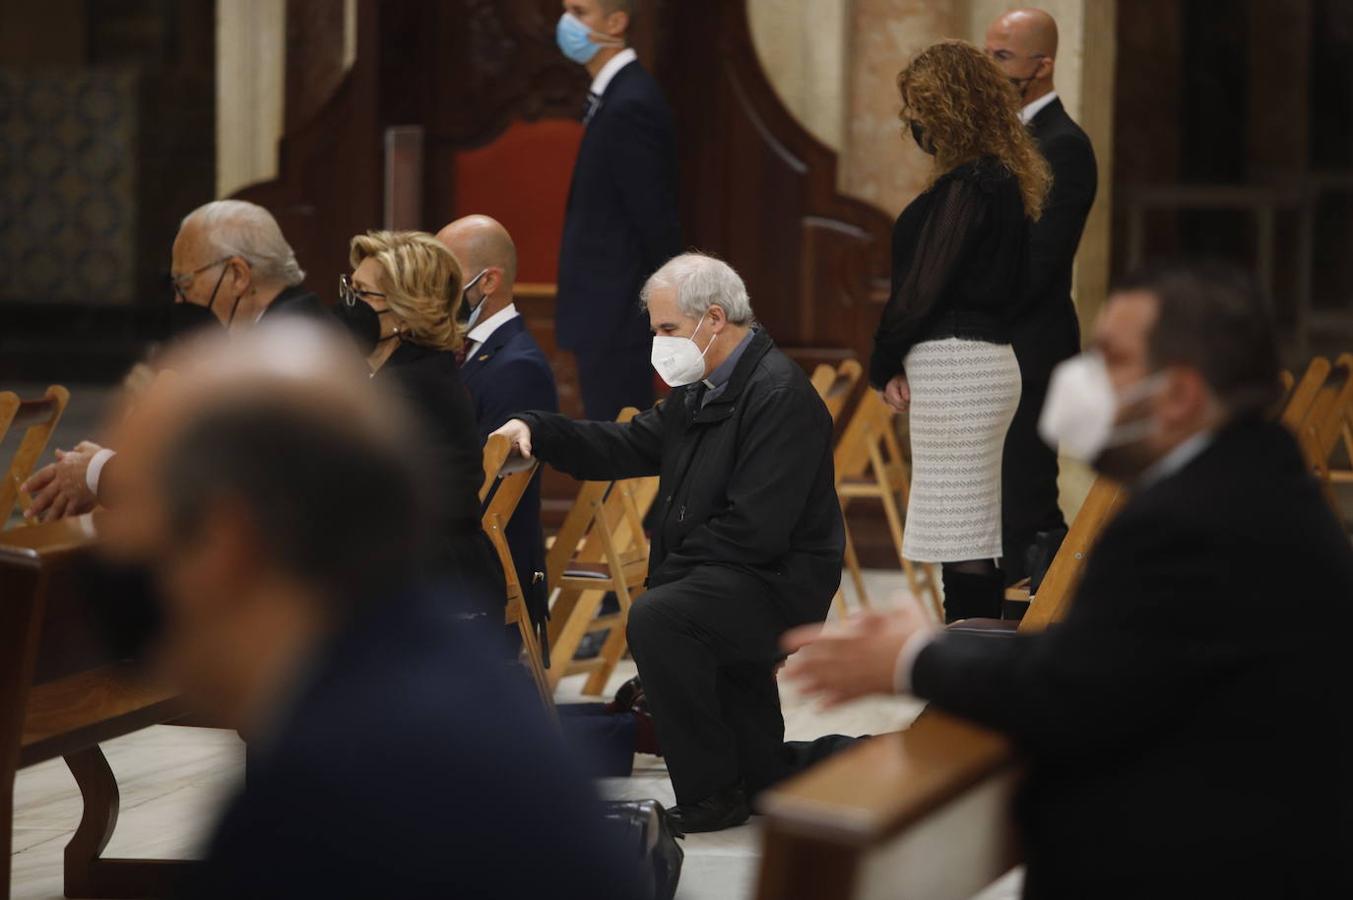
x,y
1023,43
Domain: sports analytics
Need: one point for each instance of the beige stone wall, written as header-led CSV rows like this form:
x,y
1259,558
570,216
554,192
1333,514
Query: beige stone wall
x,y
802,46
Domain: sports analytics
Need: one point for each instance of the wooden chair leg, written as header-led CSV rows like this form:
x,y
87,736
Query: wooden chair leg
x,y
582,609
856,573
87,873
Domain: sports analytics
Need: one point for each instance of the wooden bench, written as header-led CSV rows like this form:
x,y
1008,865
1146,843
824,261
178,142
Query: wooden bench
x,y
924,812
61,693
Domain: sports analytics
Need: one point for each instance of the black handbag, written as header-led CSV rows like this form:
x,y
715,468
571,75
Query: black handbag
x,y
643,825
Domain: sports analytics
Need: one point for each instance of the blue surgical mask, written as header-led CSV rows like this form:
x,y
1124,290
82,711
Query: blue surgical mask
x,y
575,39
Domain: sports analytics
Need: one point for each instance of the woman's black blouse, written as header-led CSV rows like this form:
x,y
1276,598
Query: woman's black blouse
x,y
958,265
429,381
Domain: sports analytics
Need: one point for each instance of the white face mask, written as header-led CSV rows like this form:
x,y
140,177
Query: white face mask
x,y
679,360
1082,408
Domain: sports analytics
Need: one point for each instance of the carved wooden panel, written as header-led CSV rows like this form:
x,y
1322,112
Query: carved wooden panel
x,y
760,191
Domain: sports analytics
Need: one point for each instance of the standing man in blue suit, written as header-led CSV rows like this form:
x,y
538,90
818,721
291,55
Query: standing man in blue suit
x,y
621,221
506,373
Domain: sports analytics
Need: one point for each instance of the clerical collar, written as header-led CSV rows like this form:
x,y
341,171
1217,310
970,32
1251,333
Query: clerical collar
x,y
718,379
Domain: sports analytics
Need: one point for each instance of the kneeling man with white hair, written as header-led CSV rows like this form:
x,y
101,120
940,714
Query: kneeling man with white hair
x,y
747,532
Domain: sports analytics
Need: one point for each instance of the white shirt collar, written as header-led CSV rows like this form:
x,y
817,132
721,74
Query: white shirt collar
x,y
1026,115
613,65
1176,459
482,331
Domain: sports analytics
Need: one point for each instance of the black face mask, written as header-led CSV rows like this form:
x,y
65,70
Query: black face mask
x,y
918,135
363,323
466,311
187,317
1022,84
125,605
184,319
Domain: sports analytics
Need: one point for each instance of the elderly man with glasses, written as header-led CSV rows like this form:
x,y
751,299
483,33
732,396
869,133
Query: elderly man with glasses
x,y
230,264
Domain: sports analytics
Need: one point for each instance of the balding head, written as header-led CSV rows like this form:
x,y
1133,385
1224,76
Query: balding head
x,y
1023,42
482,245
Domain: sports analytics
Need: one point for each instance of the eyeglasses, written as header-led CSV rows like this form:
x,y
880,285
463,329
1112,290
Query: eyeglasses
x,y
181,283
348,295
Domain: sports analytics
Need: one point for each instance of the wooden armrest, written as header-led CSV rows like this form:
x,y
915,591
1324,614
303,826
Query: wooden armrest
x,y
880,786
923,813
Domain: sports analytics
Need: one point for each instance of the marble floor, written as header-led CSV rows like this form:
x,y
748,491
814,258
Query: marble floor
x,y
173,779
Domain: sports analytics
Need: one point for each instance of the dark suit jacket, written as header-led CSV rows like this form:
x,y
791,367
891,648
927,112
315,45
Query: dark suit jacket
x,y
297,301
507,376
1188,724
1049,331
621,221
413,764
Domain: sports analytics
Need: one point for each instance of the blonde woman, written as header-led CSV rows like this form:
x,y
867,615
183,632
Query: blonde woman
x,y
943,349
400,304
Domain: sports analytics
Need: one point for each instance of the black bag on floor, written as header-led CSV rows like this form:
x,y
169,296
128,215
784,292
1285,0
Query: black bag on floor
x,y
642,824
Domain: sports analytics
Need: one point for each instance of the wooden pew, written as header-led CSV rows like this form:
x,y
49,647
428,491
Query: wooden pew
x,y
922,813
61,693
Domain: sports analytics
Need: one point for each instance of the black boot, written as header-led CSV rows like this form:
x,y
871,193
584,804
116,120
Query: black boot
x,y
972,595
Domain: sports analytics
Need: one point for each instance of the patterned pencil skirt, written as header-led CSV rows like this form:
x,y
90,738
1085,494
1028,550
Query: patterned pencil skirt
x,y
963,397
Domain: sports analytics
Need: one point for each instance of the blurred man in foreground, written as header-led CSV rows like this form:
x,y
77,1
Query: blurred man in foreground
x,y
1187,726
274,497
231,267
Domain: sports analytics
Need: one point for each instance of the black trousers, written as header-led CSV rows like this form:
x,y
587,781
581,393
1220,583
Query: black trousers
x,y
706,647
1028,482
612,378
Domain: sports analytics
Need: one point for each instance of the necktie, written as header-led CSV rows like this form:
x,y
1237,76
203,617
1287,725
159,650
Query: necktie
x,y
590,106
461,351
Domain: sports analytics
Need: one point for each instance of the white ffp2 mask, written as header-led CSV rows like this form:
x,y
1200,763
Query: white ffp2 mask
x,y
679,360
1081,409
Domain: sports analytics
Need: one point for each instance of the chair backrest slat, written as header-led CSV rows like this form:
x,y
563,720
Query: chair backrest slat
x,y
1059,584
39,418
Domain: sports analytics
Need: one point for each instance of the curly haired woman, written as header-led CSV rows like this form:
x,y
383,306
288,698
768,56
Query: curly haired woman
x,y
943,349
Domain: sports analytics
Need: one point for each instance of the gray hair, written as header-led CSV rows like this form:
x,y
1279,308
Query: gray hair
x,y
702,281
247,230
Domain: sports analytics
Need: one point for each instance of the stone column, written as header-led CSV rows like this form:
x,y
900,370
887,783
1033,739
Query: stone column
x,y
250,91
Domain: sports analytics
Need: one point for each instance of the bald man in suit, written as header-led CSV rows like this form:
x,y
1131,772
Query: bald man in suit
x,y
1023,43
506,373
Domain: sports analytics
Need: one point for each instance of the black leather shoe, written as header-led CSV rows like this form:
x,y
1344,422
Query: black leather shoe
x,y
726,809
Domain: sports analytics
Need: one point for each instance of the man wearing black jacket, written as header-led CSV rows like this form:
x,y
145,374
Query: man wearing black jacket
x,y
1023,43
621,221
748,540
1187,726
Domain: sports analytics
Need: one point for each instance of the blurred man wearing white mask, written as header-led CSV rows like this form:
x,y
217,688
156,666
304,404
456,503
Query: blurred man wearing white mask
x,y
1186,737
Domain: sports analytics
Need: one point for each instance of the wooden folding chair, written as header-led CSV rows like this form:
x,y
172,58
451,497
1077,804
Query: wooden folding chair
x,y
39,419
1325,422
1302,393
869,463
502,503
1054,592
836,385
599,548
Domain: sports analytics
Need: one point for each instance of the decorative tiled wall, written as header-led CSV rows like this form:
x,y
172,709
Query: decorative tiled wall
x,y
67,185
